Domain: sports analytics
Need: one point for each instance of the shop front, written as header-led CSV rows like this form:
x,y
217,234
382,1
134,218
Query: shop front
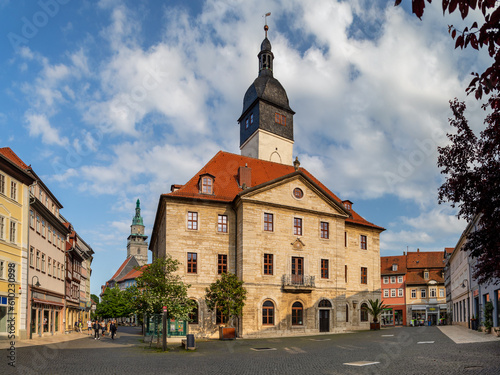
x,y
393,316
423,315
45,317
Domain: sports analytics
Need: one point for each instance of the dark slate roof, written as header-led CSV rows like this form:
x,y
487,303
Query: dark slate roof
x,y
267,88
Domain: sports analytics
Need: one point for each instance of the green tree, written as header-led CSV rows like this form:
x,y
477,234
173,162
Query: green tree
x,y
227,295
375,308
159,286
114,304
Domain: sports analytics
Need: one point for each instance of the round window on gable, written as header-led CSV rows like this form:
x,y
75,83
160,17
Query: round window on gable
x,y
298,193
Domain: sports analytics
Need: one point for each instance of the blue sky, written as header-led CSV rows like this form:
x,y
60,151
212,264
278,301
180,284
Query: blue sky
x,y
111,101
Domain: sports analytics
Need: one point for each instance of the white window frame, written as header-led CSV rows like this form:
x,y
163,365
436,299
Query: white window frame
x,y
393,279
2,183
441,293
393,293
400,292
3,264
400,279
386,279
386,293
413,293
432,293
423,293
13,190
12,231
2,227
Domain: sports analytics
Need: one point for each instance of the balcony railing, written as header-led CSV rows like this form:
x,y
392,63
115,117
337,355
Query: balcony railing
x,y
298,282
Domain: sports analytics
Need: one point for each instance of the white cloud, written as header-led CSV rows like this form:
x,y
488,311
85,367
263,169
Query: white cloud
x,y
39,125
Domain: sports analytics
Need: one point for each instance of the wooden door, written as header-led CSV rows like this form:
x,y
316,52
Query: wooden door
x,y
297,270
324,320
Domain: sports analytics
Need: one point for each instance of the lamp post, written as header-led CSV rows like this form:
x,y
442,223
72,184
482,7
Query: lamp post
x,y
468,307
37,285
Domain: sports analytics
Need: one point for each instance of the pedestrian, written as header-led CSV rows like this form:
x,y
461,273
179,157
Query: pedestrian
x,y
76,325
80,325
96,330
103,327
89,327
113,329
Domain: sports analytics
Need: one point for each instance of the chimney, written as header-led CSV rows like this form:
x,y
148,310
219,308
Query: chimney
x,y
245,176
418,250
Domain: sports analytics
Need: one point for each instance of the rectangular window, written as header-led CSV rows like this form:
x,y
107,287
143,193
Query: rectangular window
x,y
386,293
37,259
247,122
2,226
364,275
400,292
268,264
49,266
43,262
423,293
54,265
192,262
297,226
192,220
32,257
324,268
345,273
37,224
441,293
363,242
43,228
32,219
393,279
386,279
280,119
268,222
345,239
221,263
13,190
12,232
251,118
2,183
222,223
432,293
325,229
413,293
393,292
206,187
50,233
400,279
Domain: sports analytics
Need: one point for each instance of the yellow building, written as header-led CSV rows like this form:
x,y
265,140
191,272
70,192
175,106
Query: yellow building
x,y
14,205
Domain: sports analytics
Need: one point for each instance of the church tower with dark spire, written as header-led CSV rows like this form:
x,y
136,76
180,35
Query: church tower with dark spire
x,y
137,245
266,122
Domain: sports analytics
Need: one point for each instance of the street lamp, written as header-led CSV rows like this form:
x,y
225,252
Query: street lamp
x,y
463,283
32,285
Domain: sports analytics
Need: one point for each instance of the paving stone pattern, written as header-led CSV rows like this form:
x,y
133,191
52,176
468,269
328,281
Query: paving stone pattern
x,y
326,354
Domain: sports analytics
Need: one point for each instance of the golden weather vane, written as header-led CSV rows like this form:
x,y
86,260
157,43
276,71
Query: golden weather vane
x,y
265,18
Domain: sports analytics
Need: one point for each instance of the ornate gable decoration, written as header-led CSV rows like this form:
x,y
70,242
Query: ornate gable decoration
x,y
298,244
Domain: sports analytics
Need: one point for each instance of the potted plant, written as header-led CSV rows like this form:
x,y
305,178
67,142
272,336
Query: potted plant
x,y
488,316
375,308
226,297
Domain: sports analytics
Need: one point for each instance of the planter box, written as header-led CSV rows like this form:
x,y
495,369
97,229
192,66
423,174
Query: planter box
x,y
374,326
227,333
473,324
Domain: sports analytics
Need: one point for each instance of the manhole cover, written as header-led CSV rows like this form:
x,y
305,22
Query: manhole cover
x,y
262,349
361,363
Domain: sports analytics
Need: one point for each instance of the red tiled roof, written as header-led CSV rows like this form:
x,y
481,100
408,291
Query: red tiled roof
x,y
387,262
11,155
133,274
224,167
449,250
417,277
425,259
121,268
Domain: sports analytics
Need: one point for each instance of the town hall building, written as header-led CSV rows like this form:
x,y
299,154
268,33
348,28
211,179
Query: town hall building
x,y
309,262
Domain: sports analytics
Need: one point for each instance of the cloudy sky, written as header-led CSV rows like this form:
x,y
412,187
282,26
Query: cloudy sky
x,y
112,100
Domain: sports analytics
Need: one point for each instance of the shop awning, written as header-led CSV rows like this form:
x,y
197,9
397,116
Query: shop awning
x,y
45,302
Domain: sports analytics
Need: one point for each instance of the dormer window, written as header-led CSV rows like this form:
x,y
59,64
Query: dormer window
x,y
394,267
426,274
207,184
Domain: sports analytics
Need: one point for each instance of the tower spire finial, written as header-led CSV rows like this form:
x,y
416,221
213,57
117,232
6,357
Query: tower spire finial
x,y
265,18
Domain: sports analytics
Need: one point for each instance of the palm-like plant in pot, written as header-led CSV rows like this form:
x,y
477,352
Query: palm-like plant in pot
x,y
375,308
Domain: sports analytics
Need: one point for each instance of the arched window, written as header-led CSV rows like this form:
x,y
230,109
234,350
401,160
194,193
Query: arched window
x,y
193,315
268,313
297,314
364,312
325,303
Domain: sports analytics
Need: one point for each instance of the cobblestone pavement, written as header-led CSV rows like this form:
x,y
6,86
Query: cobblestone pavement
x,y
419,350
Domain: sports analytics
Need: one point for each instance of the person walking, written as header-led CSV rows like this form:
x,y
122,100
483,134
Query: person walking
x,y
80,325
113,329
96,327
89,327
103,327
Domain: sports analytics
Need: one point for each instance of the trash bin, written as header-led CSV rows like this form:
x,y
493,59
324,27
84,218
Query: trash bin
x,y
190,341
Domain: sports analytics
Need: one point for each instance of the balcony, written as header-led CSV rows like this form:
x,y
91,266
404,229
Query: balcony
x,y
297,283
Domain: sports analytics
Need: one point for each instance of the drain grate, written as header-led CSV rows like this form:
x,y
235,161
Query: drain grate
x,y
262,349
